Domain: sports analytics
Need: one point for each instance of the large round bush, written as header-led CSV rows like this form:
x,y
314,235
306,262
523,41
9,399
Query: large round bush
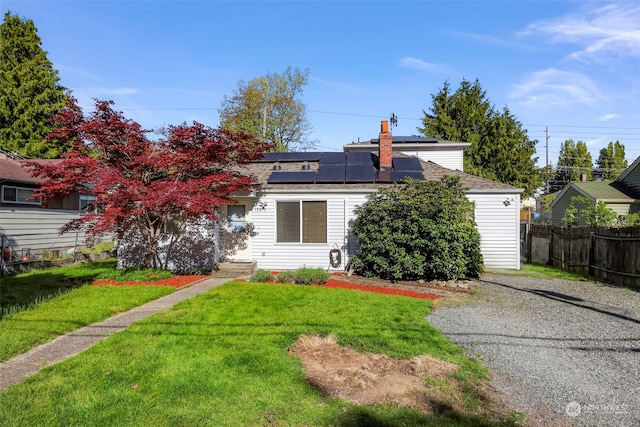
x,y
417,230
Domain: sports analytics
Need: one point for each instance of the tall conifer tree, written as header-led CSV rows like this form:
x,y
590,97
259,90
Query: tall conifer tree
x,y
500,148
29,91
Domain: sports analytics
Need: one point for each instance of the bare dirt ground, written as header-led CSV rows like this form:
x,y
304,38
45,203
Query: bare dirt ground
x,y
423,383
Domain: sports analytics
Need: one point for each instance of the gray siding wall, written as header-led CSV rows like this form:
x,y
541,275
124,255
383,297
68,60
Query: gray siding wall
x,y
37,229
561,205
633,179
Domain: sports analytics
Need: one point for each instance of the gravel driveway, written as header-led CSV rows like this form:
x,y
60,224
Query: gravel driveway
x,y
565,353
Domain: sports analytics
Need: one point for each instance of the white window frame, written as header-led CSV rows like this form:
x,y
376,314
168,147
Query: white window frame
x,y
37,201
88,198
301,222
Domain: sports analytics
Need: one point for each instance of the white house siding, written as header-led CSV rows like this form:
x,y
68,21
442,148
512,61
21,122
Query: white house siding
x,y
272,255
37,229
499,228
621,209
450,159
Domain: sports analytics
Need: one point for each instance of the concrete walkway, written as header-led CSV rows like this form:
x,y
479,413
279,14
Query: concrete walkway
x,y
63,347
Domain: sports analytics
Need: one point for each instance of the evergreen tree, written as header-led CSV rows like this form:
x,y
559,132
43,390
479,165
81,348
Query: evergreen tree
x,y
500,149
574,161
30,94
612,161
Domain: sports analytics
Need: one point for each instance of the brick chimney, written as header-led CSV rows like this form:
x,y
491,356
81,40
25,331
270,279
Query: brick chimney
x,y
385,151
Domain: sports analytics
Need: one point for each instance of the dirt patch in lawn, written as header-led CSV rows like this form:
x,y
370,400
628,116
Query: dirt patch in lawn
x,y
422,383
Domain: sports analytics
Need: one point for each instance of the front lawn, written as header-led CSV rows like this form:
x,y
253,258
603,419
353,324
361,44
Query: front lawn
x,y
221,359
43,304
22,331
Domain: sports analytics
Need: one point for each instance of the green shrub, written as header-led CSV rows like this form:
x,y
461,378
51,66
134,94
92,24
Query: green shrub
x,y
310,276
417,230
286,276
262,276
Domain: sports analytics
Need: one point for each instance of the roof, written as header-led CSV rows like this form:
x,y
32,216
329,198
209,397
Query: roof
x,y
263,169
15,170
600,191
628,170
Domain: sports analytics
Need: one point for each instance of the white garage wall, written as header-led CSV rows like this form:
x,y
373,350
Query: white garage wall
x,y
499,227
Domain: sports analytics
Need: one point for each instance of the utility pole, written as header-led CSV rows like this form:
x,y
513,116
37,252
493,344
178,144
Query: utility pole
x,y
546,144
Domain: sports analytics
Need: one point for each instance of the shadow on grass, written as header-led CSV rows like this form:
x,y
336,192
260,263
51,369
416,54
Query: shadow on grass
x,y
22,290
372,416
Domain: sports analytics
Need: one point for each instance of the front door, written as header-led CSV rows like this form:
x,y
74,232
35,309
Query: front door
x,y
236,233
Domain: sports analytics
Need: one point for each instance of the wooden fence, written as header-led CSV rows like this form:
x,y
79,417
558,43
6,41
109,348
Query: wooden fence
x,y
609,254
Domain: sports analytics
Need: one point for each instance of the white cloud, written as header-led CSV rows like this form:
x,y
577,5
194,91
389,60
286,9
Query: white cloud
x,y
607,117
611,31
491,40
419,64
555,87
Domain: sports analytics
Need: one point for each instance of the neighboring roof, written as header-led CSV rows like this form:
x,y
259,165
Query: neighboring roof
x,y
600,191
15,169
431,171
628,170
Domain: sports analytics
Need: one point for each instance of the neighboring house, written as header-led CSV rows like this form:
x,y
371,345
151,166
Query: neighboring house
x,y
621,196
307,200
26,224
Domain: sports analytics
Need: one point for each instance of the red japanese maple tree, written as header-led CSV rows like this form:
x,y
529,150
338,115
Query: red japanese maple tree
x,y
143,183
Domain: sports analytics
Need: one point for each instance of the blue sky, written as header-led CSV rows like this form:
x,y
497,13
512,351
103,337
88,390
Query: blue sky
x,y
572,66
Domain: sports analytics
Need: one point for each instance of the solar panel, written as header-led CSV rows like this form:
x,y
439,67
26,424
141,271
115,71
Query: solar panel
x,y
270,157
299,157
330,173
280,177
359,173
406,164
333,158
359,158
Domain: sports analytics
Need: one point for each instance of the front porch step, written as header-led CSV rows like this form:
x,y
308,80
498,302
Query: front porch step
x,y
231,270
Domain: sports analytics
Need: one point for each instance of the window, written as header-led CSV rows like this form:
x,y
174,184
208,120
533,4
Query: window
x,y
302,221
19,195
236,219
85,199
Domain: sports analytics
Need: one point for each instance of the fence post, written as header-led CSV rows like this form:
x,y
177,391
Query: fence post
x,y
592,253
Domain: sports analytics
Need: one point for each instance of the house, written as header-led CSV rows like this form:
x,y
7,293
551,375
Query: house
x,y
306,202
26,225
621,196
448,154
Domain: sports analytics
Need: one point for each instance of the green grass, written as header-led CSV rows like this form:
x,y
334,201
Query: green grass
x,y
72,310
21,291
542,272
221,359
136,274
